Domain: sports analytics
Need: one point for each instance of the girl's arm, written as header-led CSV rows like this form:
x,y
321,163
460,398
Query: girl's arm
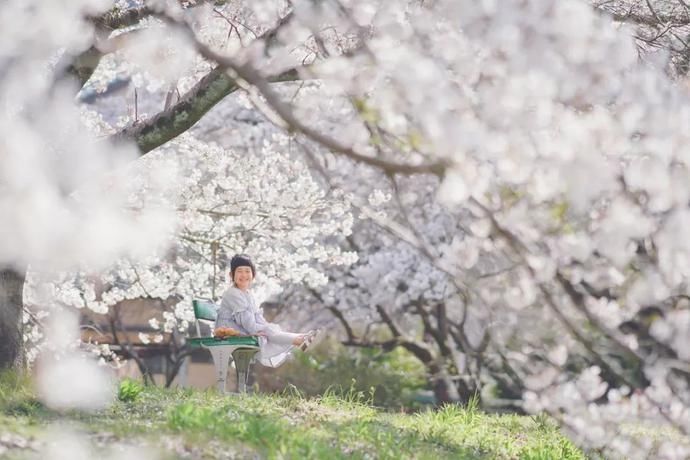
x,y
242,313
224,318
246,319
236,308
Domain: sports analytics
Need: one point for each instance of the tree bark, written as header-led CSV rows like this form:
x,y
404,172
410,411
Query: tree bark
x,y
11,321
192,106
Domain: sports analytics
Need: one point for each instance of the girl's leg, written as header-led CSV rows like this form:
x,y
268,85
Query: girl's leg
x,y
286,338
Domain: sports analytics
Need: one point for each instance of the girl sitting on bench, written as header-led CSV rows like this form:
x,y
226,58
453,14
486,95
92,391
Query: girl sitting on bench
x,y
238,310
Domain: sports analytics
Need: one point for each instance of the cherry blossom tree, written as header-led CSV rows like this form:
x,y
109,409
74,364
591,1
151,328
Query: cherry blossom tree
x,y
571,181
264,204
559,184
59,153
400,293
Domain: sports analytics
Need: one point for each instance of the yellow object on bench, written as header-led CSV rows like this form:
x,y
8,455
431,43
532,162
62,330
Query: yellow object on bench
x,y
224,332
241,348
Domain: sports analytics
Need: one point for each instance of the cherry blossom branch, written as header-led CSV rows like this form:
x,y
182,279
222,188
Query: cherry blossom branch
x,y
250,75
424,245
519,249
392,227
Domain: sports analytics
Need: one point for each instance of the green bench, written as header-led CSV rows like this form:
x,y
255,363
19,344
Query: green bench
x,y
241,348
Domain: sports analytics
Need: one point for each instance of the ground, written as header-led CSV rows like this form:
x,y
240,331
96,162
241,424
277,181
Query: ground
x,y
167,424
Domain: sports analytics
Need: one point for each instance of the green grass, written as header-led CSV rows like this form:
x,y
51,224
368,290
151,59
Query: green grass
x,y
333,426
129,390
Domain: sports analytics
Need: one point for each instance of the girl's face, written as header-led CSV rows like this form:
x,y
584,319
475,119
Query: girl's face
x,y
243,277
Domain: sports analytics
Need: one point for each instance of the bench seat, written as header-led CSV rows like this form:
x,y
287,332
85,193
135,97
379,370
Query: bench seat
x,y
247,340
241,349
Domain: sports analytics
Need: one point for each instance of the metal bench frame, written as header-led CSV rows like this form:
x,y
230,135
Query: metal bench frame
x,y
240,349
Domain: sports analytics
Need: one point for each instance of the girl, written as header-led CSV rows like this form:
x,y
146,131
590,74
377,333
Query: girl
x,y
238,310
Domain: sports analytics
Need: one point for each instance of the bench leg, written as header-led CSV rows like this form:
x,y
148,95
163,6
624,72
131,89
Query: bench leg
x,y
243,359
220,360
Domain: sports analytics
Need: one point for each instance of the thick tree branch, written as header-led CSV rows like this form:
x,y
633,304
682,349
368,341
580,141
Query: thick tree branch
x,y
395,330
118,18
191,107
420,352
176,364
436,333
339,315
247,73
346,325
83,65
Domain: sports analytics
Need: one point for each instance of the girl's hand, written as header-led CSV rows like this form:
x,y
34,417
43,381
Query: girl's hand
x,y
261,334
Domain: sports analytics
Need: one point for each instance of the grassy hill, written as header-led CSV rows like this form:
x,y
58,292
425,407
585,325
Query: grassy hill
x,y
156,423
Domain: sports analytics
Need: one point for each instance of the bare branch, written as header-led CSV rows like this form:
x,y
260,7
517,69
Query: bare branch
x,y
395,330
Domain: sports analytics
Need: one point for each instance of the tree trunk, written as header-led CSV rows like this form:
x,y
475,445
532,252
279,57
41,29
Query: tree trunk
x,y
449,388
11,318
443,392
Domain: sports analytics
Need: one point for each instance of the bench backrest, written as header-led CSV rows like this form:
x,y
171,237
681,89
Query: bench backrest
x,y
204,309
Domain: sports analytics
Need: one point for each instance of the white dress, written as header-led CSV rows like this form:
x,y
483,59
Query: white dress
x,y
239,310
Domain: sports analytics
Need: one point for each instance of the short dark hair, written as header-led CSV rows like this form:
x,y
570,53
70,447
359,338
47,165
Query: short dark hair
x,y
241,260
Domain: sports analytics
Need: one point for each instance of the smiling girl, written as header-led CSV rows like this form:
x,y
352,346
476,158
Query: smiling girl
x,y
238,310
